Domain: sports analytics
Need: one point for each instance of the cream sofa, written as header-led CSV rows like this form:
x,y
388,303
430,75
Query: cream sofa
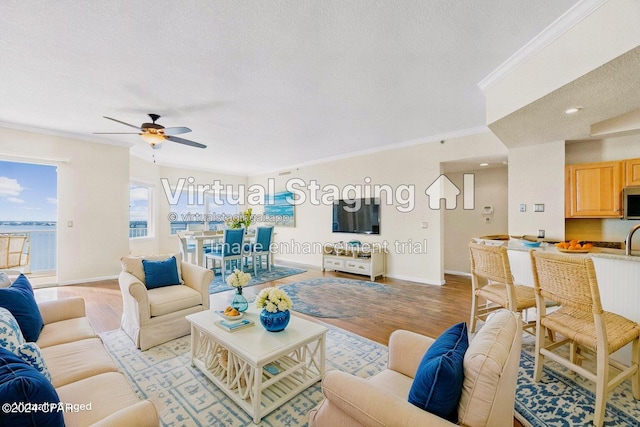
x,y
488,394
155,316
83,373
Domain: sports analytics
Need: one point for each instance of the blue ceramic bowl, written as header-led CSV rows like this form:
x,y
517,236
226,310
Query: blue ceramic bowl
x,y
530,244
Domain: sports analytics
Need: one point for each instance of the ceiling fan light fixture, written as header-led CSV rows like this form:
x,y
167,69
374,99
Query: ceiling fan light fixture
x,y
152,139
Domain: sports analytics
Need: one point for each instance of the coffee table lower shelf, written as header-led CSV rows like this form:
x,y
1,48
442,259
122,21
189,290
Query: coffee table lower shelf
x,y
252,386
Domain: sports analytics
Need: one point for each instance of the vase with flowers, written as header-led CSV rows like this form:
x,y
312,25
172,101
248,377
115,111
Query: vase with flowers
x,y
238,279
244,219
275,304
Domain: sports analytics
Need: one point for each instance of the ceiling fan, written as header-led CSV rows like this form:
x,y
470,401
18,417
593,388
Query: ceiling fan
x,y
155,134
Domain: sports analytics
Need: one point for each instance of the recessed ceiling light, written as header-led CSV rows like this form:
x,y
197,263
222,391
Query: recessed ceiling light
x,y
484,164
572,110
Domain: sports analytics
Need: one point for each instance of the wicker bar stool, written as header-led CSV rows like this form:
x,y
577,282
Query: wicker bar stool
x,y
493,287
571,282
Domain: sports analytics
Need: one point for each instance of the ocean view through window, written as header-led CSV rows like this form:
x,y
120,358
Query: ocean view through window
x,y
205,216
28,207
140,218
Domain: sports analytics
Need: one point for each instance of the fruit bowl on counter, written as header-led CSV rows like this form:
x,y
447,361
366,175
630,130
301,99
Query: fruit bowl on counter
x,y
574,246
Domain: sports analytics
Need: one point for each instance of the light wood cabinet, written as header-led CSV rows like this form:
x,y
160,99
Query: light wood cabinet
x,y
593,190
631,172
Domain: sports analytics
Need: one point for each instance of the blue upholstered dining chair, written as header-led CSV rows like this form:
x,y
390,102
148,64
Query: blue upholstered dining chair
x,y
260,248
230,250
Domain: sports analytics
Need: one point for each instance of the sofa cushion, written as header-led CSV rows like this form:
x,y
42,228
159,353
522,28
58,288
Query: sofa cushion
x,y
484,363
437,385
133,264
21,383
11,339
19,300
160,273
106,393
77,360
171,299
65,331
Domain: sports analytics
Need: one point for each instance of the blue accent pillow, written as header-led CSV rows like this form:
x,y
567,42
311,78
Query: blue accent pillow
x,y
18,299
437,385
22,383
160,273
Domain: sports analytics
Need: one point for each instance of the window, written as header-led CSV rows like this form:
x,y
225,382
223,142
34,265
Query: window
x,y
140,219
204,213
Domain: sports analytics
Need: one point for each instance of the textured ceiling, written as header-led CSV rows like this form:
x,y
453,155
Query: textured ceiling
x,y
608,91
265,84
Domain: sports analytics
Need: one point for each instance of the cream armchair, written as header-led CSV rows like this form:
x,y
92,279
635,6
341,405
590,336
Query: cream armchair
x,y
155,316
488,394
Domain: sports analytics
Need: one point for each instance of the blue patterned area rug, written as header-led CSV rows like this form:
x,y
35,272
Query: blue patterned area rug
x,y
264,275
183,396
310,297
563,398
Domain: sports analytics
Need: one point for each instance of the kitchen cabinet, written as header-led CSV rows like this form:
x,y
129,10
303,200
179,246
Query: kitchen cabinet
x,y
593,190
631,172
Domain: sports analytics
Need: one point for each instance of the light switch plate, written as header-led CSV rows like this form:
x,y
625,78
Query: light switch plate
x,y
538,207
523,207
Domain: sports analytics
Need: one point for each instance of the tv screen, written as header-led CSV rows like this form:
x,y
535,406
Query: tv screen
x,y
356,216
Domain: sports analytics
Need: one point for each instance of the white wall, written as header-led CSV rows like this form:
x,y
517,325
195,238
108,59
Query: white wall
x,y
460,225
92,192
536,175
417,165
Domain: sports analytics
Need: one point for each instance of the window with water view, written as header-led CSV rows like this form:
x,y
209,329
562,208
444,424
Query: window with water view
x,y
28,207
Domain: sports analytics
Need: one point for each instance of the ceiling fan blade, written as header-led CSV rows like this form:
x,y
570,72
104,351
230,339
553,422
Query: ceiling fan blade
x,y
176,130
120,121
116,133
185,142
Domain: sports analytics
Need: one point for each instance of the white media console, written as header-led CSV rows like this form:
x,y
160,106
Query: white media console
x,y
365,258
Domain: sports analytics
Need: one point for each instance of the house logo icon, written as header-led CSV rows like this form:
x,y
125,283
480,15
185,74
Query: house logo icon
x,y
443,188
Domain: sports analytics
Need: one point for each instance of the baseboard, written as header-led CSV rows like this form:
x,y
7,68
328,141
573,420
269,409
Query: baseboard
x,y
416,279
287,263
89,280
457,273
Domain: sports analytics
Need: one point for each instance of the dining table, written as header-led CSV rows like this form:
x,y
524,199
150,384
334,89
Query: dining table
x,y
202,237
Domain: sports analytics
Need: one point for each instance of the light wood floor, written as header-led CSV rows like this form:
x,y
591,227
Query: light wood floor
x,y
453,301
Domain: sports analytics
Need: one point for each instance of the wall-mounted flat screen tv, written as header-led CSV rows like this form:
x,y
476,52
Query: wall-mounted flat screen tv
x,y
356,216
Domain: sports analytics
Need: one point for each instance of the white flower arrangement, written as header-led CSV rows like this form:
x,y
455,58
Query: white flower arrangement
x,y
238,278
273,300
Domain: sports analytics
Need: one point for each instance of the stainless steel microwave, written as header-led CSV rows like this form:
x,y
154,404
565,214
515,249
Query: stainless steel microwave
x,y
631,202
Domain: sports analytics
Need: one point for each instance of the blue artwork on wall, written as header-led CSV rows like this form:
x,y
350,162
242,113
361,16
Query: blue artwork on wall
x,y
279,209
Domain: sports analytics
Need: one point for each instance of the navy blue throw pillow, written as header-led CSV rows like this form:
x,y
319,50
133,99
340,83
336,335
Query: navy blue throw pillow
x,y
160,273
22,384
19,300
437,385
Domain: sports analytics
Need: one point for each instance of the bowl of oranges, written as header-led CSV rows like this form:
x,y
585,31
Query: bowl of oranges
x,y
574,246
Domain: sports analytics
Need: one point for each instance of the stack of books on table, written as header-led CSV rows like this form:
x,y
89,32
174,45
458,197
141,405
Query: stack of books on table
x,y
234,325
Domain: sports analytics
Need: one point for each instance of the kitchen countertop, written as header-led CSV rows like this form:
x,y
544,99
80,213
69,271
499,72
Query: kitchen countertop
x,y
618,254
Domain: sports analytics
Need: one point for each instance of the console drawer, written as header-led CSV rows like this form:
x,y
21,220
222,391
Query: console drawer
x,y
333,263
358,267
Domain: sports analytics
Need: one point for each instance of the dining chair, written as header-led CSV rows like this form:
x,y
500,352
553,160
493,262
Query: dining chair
x,y
261,247
493,286
230,250
571,282
188,250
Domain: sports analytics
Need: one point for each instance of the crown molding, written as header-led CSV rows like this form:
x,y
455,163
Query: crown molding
x,y
404,144
557,28
61,134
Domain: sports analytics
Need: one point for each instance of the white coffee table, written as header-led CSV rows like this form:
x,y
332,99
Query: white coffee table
x,y
297,354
